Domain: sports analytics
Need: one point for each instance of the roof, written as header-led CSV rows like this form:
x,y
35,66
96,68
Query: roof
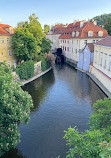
x,y
105,42
82,31
4,29
91,47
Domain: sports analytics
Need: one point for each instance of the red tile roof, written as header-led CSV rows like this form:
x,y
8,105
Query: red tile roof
x,y
105,42
83,31
3,29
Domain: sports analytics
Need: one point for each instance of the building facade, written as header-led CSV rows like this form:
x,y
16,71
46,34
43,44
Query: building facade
x,y
54,35
74,38
101,67
86,57
6,51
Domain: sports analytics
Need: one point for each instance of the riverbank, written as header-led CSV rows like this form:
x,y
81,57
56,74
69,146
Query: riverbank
x,y
35,77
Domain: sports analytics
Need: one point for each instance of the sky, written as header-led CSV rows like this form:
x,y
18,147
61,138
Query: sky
x,y
50,11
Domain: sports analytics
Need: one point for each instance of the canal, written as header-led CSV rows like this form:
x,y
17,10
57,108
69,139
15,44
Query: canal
x,y
63,97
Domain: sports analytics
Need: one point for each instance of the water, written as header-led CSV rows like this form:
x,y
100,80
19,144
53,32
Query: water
x,y
63,97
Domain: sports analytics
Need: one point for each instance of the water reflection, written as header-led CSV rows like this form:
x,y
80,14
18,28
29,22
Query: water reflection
x,y
14,153
38,89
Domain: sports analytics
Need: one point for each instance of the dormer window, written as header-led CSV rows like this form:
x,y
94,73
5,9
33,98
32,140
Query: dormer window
x,y
77,34
73,33
100,33
90,34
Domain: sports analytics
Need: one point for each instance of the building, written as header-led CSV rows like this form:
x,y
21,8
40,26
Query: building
x,y
86,57
6,51
101,67
54,35
74,38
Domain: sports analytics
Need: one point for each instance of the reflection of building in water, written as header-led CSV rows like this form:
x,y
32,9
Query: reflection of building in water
x,y
39,88
79,83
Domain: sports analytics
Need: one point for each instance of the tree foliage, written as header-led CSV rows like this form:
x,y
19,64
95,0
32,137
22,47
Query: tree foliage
x,y
102,19
24,44
15,107
25,70
46,28
46,45
91,142
107,25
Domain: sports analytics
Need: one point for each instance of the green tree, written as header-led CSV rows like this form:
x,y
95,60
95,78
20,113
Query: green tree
x,y
46,45
24,44
107,25
15,107
46,28
35,28
91,142
23,24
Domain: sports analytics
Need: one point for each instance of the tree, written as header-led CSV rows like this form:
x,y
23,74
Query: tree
x,y
101,20
35,28
15,107
91,143
107,25
46,45
24,44
23,24
46,28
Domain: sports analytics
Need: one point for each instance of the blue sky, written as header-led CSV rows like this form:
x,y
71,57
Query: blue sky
x,y
51,12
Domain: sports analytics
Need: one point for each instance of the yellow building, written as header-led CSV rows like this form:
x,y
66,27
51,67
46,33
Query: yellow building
x,y
6,51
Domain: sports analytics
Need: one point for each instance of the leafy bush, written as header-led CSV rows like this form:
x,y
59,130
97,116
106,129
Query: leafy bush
x,y
90,144
45,64
25,70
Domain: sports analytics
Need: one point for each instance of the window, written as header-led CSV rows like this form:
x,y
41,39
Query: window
x,y
95,56
65,48
73,33
61,47
77,34
14,63
96,40
101,58
93,41
68,49
72,41
105,59
76,51
72,50
85,42
7,40
100,33
90,34
63,41
9,53
67,42
2,40
110,63
8,63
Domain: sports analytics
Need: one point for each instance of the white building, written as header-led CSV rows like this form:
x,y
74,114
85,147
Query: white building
x,y
101,67
74,38
54,35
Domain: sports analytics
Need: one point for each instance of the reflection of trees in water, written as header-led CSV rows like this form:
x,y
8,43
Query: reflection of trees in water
x,y
14,153
38,89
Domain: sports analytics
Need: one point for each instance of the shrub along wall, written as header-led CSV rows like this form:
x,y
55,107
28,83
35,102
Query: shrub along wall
x,y
25,70
45,64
